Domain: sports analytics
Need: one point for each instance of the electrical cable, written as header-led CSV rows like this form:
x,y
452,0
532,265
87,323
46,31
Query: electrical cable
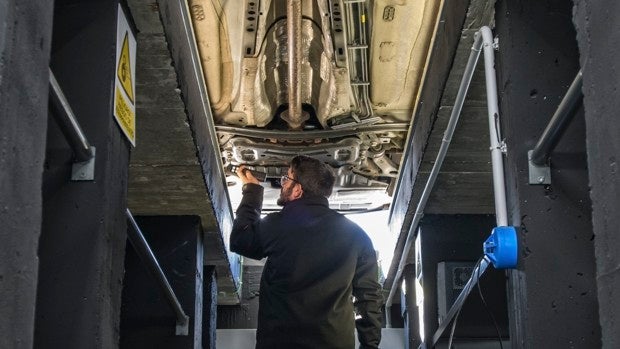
x,y
477,269
456,317
486,307
497,131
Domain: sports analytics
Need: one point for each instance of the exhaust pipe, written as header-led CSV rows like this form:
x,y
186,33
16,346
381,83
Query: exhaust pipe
x,y
294,116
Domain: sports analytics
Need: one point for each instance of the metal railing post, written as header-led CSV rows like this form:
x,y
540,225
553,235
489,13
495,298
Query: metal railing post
x,y
558,123
84,165
538,158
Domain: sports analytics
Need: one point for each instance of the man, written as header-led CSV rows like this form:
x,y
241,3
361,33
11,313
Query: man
x,y
316,260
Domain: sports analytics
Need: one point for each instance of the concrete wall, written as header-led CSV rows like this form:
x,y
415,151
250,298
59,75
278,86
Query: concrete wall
x,y
193,89
552,295
403,207
25,40
209,309
83,233
598,33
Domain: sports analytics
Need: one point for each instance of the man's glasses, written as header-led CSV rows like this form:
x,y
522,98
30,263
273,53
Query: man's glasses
x,y
286,178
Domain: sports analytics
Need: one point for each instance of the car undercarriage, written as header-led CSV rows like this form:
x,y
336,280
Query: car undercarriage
x,y
337,82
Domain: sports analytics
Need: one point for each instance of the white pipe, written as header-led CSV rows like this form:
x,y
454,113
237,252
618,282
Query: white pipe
x,y
447,138
484,38
497,161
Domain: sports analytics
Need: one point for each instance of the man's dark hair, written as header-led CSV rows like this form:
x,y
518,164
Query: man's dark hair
x,y
315,177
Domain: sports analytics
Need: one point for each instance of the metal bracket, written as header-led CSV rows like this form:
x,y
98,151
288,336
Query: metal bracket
x,y
538,174
251,27
503,147
85,170
494,45
338,33
182,328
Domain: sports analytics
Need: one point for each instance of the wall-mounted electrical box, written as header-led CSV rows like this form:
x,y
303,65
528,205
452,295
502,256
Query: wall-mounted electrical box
x,y
451,279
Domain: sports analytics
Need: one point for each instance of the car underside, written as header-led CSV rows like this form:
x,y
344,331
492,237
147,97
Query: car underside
x,y
337,82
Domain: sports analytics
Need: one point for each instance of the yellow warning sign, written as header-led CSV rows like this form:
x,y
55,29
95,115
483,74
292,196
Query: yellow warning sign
x,y
124,69
125,115
125,78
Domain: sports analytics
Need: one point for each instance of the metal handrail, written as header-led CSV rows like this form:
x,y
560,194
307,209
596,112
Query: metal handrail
x,y
558,123
148,258
68,123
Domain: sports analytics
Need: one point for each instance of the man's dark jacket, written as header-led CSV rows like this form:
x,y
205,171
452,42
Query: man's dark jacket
x,y
317,259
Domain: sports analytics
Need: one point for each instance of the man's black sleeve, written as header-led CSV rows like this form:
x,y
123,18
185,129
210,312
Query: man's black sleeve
x,y
245,236
369,299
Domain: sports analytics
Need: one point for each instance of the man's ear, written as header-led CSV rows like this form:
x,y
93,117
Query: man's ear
x,y
298,191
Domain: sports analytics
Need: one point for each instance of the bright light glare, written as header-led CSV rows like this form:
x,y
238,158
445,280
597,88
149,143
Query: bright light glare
x,y
375,224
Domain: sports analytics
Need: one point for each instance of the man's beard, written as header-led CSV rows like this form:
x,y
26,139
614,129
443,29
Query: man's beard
x,y
285,196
